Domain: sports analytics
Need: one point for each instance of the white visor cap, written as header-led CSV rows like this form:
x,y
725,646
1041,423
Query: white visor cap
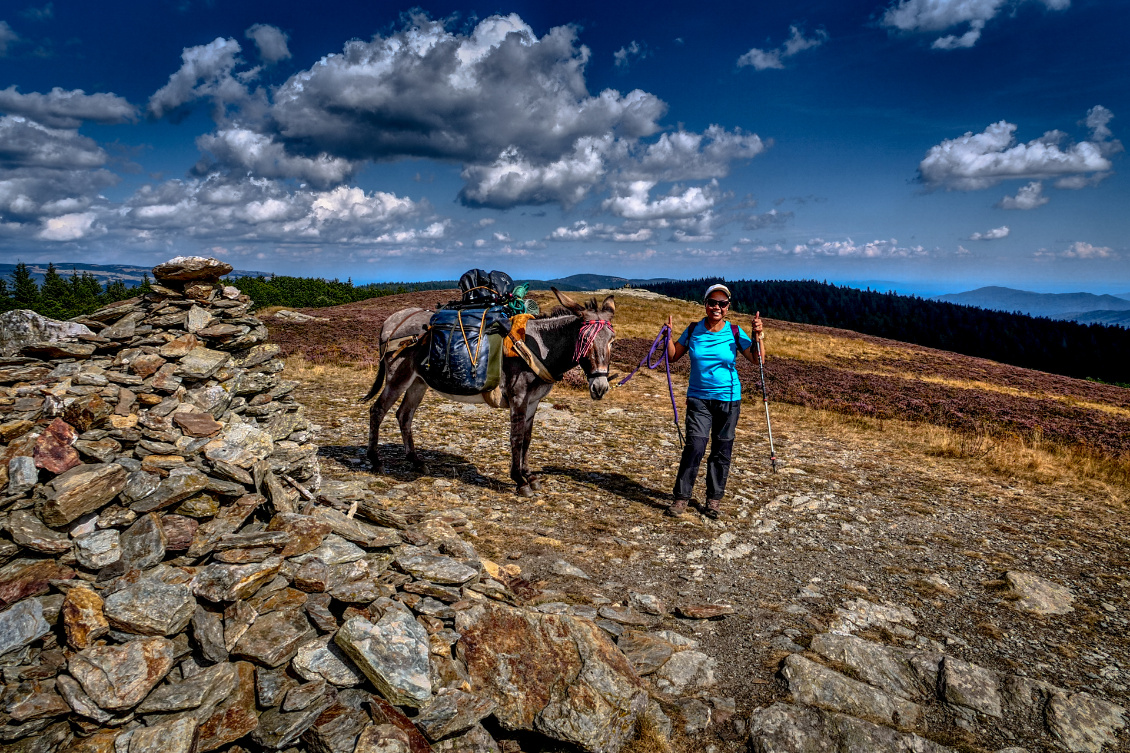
x,y
712,288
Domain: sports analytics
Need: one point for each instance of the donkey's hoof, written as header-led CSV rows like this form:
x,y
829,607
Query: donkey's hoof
x,y
375,464
525,491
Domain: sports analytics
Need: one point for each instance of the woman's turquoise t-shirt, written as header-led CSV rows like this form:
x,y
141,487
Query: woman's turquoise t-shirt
x,y
714,370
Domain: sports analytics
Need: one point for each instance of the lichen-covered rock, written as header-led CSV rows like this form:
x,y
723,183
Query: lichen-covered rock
x,y
1084,723
191,269
556,674
222,583
393,654
321,659
274,638
177,735
908,674
786,728
150,607
240,444
452,712
81,490
686,672
1037,595
971,686
20,624
434,568
83,618
814,684
23,327
119,677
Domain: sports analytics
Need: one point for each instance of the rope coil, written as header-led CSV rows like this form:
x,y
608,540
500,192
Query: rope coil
x,y
663,338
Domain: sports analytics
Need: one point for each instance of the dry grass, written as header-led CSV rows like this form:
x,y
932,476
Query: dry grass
x,y
299,368
1011,457
648,739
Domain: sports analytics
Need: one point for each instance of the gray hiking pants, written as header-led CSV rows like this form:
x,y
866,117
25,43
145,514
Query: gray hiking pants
x,y
716,421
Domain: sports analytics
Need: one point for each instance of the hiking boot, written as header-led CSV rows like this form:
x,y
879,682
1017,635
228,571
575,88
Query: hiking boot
x,y
713,508
677,508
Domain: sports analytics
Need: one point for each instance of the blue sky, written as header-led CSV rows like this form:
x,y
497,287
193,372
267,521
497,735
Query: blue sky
x,y
942,144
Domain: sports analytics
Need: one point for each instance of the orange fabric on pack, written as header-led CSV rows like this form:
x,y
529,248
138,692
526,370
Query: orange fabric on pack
x,y
517,333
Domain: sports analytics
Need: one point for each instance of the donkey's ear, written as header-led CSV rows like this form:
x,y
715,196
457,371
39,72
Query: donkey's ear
x,y
609,305
568,302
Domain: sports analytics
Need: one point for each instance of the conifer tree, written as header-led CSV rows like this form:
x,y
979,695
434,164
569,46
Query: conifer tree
x,y
6,302
25,292
54,295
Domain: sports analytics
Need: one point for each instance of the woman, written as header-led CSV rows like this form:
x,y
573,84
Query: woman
x,y
714,397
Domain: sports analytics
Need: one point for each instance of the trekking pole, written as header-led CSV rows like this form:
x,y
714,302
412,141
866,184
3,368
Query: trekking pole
x,y
765,398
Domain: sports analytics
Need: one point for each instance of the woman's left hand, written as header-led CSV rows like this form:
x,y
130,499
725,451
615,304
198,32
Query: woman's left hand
x,y
758,328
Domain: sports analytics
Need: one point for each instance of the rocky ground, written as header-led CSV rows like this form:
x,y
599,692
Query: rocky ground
x,y
860,532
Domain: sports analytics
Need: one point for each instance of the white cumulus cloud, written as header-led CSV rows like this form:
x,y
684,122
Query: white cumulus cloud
x,y
982,160
876,249
264,156
206,70
271,42
763,60
512,107
67,227
991,235
1083,250
67,109
934,16
626,55
633,201
1029,196
598,231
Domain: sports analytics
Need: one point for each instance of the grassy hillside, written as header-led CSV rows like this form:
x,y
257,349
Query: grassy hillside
x,y
980,407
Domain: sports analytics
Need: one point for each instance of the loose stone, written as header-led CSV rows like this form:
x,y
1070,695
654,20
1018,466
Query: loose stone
x,y
393,654
150,607
119,677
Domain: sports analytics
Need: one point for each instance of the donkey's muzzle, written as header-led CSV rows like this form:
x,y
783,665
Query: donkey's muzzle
x,y
598,386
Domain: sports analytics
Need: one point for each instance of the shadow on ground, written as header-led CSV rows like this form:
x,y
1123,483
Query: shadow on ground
x,y
616,483
438,464
441,464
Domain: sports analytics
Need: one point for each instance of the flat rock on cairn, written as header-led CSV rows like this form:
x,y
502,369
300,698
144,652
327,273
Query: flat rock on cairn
x,y
191,268
174,576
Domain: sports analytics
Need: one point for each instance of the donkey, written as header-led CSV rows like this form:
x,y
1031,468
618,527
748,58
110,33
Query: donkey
x,y
568,336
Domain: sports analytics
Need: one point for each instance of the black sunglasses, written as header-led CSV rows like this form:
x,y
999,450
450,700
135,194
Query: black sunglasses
x,y
716,303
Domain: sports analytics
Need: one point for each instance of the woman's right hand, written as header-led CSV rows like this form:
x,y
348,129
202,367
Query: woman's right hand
x,y
670,324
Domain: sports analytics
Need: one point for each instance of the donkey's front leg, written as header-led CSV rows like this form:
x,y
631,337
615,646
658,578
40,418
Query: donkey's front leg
x,y
532,479
519,441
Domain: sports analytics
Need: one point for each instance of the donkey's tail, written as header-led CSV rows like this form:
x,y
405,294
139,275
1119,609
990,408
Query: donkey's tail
x,y
377,384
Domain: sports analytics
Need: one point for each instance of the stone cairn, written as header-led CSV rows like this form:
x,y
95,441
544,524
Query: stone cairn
x,y
176,578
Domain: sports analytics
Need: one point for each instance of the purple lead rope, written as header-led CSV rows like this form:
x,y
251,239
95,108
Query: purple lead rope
x,y
663,338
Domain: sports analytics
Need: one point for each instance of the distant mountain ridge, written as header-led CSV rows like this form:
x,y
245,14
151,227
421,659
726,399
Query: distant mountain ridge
x,y
1103,309
102,272
574,283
